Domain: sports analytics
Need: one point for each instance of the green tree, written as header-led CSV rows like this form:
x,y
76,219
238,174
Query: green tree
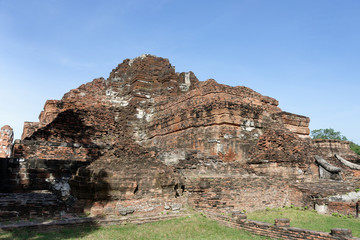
x,y
355,148
327,133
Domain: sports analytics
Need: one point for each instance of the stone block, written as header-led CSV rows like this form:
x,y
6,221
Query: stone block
x,y
125,210
341,233
239,216
282,222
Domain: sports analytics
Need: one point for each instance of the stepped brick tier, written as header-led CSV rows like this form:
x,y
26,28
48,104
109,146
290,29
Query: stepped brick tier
x,y
148,138
30,205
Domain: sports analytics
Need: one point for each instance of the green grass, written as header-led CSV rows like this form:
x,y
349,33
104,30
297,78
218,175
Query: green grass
x,y
307,219
192,227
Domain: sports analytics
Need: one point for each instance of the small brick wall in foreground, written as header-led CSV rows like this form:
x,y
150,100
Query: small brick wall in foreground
x,y
280,230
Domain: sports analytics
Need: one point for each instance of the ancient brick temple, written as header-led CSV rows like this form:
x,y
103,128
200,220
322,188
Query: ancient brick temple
x,y
149,139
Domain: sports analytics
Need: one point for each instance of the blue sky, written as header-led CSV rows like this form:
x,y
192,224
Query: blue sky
x,y
304,53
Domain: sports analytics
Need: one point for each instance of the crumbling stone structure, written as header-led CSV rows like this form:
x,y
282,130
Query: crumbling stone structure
x,y
6,139
148,138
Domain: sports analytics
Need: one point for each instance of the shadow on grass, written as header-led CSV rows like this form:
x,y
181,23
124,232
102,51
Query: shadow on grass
x,y
48,207
194,227
67,232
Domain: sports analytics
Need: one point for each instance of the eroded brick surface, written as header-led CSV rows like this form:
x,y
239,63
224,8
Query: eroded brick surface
x,y
150,133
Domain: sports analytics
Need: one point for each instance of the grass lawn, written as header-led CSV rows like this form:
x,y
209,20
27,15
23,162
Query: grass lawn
x,y
307,219
192,227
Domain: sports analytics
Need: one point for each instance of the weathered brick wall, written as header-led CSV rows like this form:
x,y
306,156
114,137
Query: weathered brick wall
x,y
36,163
133,207
295,123
29,149
29,206
132,176
36,174
240,193
213,118
279,145
345,208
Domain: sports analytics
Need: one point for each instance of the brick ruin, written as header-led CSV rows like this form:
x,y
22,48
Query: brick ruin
x,y
149,139
6,139
281,228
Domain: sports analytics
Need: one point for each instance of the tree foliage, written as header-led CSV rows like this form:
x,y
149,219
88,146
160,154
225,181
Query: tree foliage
x,y
355,148
327,133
